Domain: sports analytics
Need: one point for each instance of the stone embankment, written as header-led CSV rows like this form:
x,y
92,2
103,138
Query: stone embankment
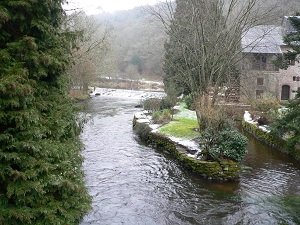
x,y
262,133
186,156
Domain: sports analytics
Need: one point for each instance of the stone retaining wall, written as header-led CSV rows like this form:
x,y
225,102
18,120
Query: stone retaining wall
x,y
270,140
223,171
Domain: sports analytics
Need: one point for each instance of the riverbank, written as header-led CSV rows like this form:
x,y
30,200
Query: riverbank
x,y
132,183
263,134
184,150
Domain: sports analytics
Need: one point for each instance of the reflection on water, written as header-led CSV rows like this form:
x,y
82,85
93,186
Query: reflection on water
x,y
134,184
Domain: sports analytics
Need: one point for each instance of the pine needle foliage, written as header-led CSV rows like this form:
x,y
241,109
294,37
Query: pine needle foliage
x,y
41,178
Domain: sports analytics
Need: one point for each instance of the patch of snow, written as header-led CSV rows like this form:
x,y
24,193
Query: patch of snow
x,y
264,128
185,142
192,156
154,127
123,93
185,113
147,121
248,118
140,115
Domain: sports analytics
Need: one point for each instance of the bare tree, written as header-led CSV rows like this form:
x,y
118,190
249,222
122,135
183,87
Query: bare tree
x,y
91,48
206,37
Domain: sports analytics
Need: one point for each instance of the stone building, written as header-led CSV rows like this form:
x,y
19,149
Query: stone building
x,y
262,45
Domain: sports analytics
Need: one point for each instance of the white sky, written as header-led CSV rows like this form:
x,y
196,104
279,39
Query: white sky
x,y
95,6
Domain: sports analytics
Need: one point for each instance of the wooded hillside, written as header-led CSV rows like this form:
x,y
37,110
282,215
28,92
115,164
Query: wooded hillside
x,y
138,40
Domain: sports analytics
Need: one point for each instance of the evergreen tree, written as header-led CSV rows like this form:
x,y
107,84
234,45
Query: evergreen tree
x,y
289,124
41,181
175,66
293,39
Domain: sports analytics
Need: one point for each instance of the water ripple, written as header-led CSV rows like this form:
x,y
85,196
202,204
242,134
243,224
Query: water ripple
x,y
133,184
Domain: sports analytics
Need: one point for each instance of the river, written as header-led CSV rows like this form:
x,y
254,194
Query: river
x,y
134,184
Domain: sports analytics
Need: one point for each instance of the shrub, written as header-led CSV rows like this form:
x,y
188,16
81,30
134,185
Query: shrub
x,y
152,104
161,116
155,104
225,144
156,116
265,104
215,117
168,102
189,102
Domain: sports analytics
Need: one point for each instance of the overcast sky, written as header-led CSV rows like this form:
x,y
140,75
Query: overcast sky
x,y
95,6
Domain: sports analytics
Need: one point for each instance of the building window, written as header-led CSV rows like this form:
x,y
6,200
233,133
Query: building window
x,y
296,78
259,93
260,81
259,61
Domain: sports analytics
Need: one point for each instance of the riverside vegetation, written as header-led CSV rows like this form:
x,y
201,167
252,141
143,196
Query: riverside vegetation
x,y
220,142
221,150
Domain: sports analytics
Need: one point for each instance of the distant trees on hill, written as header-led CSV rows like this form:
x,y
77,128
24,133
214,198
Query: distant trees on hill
x,y
138,44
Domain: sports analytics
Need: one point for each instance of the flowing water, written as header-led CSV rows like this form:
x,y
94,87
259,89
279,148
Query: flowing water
x,y
134,184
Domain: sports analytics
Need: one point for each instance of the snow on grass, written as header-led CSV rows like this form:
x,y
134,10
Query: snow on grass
x,y
182,129
184,112
184,124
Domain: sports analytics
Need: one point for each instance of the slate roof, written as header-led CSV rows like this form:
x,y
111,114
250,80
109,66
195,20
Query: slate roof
x,y
263,39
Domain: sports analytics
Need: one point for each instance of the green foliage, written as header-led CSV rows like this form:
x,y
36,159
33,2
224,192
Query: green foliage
x,y
137,61
293,38
161,116
156,116
264,108
168,102
41,180
224,144
189,100
184,125
288,124
265,104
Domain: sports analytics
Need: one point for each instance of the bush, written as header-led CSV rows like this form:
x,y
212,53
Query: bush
x,y
156,116
161,116
152,104
265,104
155,104
225,144
215,117
168,103
189,102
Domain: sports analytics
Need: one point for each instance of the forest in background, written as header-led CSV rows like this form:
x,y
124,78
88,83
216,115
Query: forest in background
x,y
130,44
138,38
137,45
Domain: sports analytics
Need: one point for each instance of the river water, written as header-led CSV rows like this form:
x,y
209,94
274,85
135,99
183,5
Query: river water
x,y
134,184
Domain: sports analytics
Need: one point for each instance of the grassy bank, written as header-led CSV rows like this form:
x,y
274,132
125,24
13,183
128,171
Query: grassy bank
x,y
183,125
